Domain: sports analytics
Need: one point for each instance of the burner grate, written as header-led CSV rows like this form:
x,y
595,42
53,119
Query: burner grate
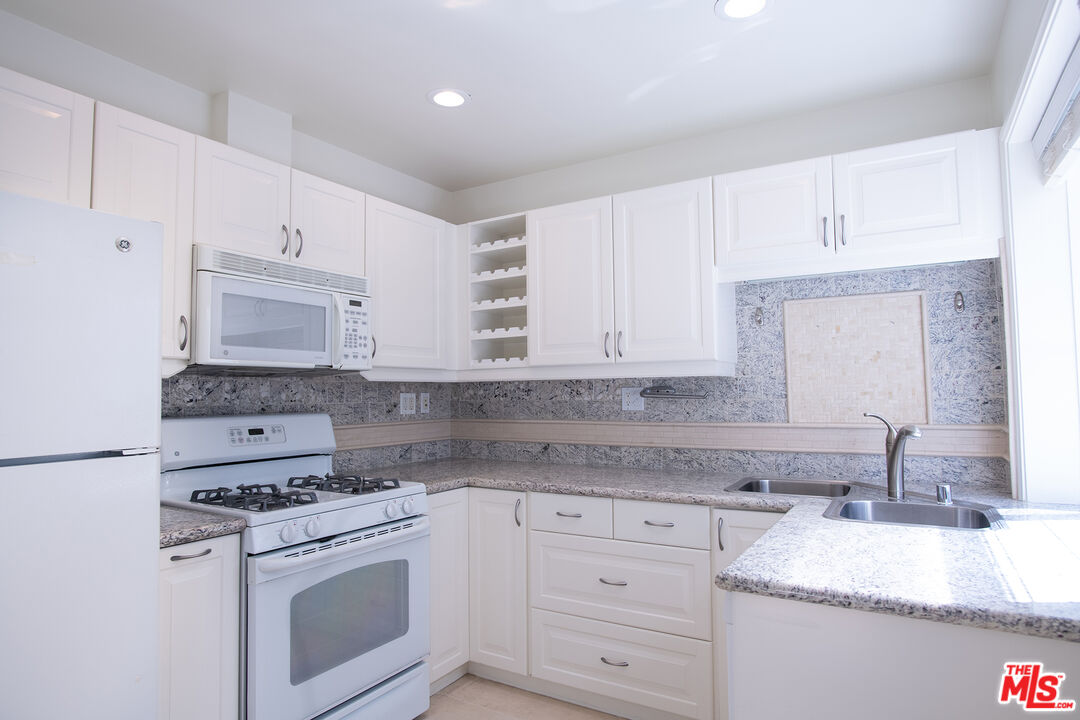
x,y
260,497
355,484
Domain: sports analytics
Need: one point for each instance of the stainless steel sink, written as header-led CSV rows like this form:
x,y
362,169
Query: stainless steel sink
x,y
816,488
966,516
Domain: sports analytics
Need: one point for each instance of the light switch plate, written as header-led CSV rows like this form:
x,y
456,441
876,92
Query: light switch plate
x,y
632,400
425,402
407,403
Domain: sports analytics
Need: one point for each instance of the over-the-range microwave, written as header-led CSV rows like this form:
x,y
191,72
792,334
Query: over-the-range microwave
x,y
252,312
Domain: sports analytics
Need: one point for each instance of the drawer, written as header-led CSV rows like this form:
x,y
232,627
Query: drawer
x,y
575,514
664,672
662,523
648,586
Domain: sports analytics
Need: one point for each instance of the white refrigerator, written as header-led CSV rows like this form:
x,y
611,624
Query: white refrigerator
x,y
80,416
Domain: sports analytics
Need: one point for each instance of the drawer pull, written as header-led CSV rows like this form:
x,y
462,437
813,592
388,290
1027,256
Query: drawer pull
x,y
650,523
204,553
614,663
567,515
619,583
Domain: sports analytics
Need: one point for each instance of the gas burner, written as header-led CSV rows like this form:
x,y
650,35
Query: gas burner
x,y
354,484
255,497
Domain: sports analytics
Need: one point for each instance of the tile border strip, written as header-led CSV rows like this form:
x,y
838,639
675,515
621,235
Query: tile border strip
x,y
937,440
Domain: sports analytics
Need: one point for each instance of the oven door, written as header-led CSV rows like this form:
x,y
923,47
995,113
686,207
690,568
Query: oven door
x,y
327,620
256,323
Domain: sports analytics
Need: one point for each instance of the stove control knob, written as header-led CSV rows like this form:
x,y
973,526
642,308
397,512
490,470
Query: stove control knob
x,y
311,529
391,509
288,532
408,506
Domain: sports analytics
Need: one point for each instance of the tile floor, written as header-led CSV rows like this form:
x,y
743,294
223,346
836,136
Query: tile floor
x,y
473,698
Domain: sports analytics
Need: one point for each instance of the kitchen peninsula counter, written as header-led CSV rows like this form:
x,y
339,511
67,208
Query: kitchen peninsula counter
x,y
1023,577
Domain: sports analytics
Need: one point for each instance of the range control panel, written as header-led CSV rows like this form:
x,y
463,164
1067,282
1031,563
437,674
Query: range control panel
x,y
251,435
356,333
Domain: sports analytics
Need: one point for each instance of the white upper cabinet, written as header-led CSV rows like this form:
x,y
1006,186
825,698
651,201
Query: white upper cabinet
x,y
664,287
407,261
145,169
571,268
241,201
46,142
327,224
926,201
782,211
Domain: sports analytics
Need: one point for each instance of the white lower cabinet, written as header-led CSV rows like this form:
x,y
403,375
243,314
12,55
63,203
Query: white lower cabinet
x,y
199,630
656,670
735,531
498,621
449,516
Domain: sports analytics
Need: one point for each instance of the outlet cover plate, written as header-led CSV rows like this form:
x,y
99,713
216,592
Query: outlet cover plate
x,y
632,400
425,403
407,403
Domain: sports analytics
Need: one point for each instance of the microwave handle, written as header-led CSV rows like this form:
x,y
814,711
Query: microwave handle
x,y
338,334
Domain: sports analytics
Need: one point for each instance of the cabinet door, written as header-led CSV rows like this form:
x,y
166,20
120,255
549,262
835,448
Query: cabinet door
x,y
570,266
405,259
497,591
327,225
449,515
733,532
46,143
916,202
772,221
664,290
146,170
241,201
199,630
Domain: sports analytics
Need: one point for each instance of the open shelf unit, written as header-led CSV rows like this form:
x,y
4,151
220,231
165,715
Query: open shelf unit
x,y
498,297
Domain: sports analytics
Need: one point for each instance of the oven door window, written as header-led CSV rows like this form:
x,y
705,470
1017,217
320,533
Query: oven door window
x,y
346,616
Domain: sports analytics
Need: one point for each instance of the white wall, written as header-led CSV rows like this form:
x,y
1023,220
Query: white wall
x,y
1018,33
865,123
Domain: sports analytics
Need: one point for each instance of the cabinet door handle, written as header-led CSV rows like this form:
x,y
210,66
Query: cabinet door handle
x,y
617,583
517,512
204,553
843,232
285,246
614,663
374,347
650,523
567,515
299,244
825,230
618,343
607,338
184,338
719,540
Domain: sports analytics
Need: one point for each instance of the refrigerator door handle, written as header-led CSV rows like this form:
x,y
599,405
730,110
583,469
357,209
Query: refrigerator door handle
x,y
139,451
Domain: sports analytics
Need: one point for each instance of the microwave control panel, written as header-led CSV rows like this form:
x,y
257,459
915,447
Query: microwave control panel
x,y
356,333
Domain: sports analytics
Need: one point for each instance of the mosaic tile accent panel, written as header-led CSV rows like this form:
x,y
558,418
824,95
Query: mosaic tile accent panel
x,y
862,353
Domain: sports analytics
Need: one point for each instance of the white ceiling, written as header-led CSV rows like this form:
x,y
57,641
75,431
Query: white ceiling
x,y
553,82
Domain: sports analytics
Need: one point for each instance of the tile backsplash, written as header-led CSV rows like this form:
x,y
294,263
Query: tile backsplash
x,y
967,386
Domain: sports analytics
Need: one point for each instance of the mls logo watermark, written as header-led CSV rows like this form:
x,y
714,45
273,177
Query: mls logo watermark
x,y
1032,688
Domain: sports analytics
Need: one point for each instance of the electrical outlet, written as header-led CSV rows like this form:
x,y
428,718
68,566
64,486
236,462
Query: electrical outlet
x,y
632,400
407,403
425,403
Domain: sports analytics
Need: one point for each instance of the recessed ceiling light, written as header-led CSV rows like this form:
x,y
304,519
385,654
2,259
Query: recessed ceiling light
x,y
739,9
447,97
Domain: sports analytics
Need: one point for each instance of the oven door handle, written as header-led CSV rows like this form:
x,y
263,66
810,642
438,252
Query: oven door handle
x,y
291,560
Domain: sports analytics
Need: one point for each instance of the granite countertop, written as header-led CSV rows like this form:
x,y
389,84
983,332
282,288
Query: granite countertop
x,y
179,526
1023,577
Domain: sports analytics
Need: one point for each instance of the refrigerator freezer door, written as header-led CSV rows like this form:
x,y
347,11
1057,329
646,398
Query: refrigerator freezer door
x,y
78,610
80,299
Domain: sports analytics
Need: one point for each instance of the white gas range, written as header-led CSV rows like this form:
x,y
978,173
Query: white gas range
x,y
336,579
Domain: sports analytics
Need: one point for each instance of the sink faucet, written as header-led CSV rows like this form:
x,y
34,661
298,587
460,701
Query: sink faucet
x,y
894,454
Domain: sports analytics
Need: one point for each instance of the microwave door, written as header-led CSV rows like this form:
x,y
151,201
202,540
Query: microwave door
x,y
265,324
